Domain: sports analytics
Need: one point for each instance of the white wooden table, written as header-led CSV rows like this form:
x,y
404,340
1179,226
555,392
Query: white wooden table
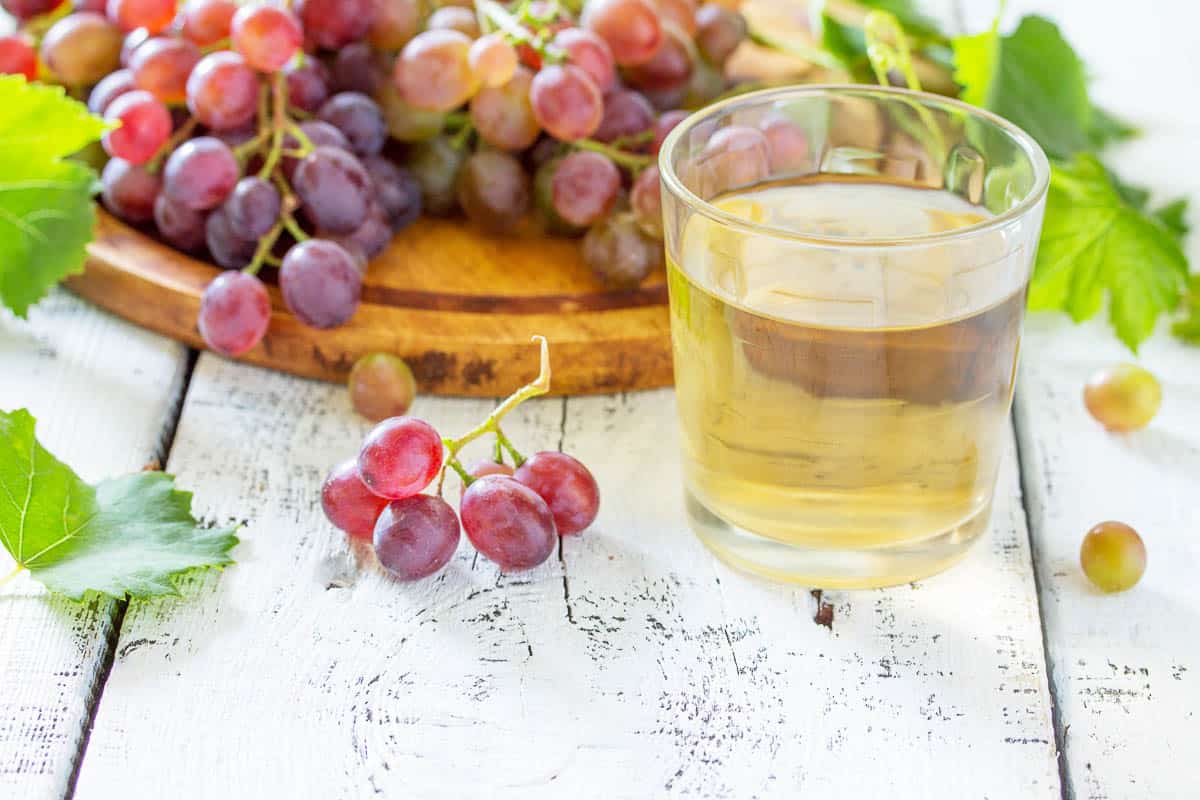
x,y
633,665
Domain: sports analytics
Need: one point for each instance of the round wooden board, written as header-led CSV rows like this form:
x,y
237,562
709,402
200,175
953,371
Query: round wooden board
x,y
459,307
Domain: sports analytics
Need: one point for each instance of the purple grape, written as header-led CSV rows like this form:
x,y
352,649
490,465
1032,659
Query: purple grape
x,y
129,191
626,113
320,283
234,313
307,85
359,119
226,247
334,188
181,226
253,207
416,536
201,173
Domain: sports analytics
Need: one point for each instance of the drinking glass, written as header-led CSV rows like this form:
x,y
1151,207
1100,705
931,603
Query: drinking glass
x,y
847,269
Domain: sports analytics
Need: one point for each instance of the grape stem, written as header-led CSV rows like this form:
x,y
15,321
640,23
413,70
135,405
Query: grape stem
x,y
17,570
278,124
630,161
264,248
177,138
539,386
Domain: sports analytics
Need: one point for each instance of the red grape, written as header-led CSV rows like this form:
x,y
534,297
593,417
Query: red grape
x,y
201,173
664,125
81,48
787,144
108,89
145,126
400,457
1113,556
669,68
17,57
358,68
630,27
162,65
335,23
348,503
381,386
320,283
132,41
508,522
226,247
335,189
153,15
1123,397
567,487
492,59
206,22
626,113
734,156
585,187
183,227
504,116
489,467
128,190
395,22
28,9
416,536
253,207
646,200
619,253
94,6
307,85
222,91
234,313
590,53
434,72
266,36
493,190
719,31
359,119
566,102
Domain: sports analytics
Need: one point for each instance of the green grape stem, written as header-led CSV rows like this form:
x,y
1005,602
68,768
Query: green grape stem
x,y
177,138
631,161
264,248
279,123
539,386
17,570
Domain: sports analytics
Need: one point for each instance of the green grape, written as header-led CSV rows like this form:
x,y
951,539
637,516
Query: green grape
x,y
1113,556
1123,397
381,386
404,122
435,164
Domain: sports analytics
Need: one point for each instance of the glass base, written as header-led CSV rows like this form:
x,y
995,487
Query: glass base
x,y
830,568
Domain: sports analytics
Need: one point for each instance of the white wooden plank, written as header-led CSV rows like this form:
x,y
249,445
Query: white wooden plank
x,y
105,394
636,666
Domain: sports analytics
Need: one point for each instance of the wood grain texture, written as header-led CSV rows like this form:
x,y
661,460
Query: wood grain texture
x,y
458,306
632,666
105,394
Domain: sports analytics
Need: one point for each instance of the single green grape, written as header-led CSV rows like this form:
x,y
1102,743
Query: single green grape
x,y
381,386
1123,397
1113,556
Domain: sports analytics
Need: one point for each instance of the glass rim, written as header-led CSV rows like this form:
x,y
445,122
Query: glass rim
x,y
1032,150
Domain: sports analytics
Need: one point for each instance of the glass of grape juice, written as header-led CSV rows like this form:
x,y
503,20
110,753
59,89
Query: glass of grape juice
x,y
847,269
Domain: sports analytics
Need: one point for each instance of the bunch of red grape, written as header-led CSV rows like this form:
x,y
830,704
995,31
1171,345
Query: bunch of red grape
x,y
513,514
270,135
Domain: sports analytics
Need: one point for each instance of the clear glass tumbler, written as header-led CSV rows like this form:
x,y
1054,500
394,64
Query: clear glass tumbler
x,y
847,269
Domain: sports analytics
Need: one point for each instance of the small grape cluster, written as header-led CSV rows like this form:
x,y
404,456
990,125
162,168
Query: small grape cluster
x,y
513,514
271,134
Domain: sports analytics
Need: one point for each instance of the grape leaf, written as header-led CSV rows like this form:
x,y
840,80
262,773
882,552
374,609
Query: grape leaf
x,y
1031,77
1094,242
125,536
1174,216
46,211
1107,128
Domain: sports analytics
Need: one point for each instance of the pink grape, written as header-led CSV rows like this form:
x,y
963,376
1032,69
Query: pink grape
x,y
590,53
183,227
400,457
17,57
504,116
508,522
307,85
381,386
200,173
108,89
226,247
145,126
489,467
416,536
787,144
566,102
128,190
335,23
222,91
162,65
630,27
153,15
234,313
348,503
434,72
81,48
664,125
646,200
734,156
266,36
206,22
320,283
619,253
566,485
585,187
669,68
132,41
626,113
454,18
492,59
718,31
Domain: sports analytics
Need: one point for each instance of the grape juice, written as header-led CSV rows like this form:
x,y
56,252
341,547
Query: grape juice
x,y
844,397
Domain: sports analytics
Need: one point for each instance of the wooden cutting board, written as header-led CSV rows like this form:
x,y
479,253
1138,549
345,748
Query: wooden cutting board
x,y
458,306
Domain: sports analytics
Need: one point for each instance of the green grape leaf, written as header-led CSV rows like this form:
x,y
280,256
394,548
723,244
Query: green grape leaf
x,y
1107,128
125,536
1174,216
46,211
1031,77
1094,242
846,43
